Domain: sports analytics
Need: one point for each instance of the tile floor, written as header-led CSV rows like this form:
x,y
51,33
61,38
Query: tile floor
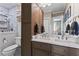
x,y
18,51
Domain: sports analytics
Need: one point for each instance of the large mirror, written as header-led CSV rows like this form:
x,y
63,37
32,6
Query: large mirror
x,y
37,19
53,20
43,21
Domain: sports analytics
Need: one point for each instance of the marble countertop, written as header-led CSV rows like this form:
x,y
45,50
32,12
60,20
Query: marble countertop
x,y
61,43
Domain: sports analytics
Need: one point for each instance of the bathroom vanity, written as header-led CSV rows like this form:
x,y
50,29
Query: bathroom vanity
x,y
60,36
48,47
39,48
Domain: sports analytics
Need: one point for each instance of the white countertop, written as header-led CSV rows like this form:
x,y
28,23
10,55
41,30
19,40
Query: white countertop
x,y
61,43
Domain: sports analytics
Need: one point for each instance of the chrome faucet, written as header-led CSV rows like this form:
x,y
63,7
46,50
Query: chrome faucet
x,y
62,36
45,35
66,38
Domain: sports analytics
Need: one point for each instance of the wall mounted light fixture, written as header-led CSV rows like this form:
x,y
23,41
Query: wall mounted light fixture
x,y
44,4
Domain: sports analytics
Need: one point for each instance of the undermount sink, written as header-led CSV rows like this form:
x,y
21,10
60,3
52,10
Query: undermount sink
x,y
40,37
65,39
58,38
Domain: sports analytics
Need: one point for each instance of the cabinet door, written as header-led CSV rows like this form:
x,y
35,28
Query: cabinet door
x,y
39,52
73,52
59,50
56,54
41,49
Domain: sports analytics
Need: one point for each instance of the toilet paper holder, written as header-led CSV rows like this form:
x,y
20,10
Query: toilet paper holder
x,y
4,40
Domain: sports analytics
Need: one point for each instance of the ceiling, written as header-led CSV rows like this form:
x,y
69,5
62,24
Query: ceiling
x,y
54,7
8,5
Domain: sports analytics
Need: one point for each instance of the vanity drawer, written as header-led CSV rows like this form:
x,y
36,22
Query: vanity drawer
x,y
61,50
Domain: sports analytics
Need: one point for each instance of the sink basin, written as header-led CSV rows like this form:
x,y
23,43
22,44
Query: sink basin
x,y
67,39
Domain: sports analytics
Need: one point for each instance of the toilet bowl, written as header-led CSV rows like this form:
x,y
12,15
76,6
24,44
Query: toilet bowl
x,y
9,51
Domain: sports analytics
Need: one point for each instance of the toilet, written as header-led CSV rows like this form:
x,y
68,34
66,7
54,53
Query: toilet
x,y
9,51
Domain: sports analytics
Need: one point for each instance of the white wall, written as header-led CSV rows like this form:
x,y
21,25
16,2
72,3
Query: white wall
x,y
4,11
3,14
13,19
19,19
47,22
19,29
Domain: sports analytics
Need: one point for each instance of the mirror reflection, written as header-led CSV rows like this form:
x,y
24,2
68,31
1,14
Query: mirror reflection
x,y
55,20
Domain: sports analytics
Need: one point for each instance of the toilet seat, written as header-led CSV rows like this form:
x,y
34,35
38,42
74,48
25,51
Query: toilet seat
x,y
10,48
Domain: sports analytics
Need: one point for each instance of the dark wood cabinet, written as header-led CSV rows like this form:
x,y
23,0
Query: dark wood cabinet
x,y
41,49
73,52
26,29
45,49
59,50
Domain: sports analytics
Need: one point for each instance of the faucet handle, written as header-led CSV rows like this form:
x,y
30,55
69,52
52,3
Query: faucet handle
x,y
66,38
4,40
58,37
